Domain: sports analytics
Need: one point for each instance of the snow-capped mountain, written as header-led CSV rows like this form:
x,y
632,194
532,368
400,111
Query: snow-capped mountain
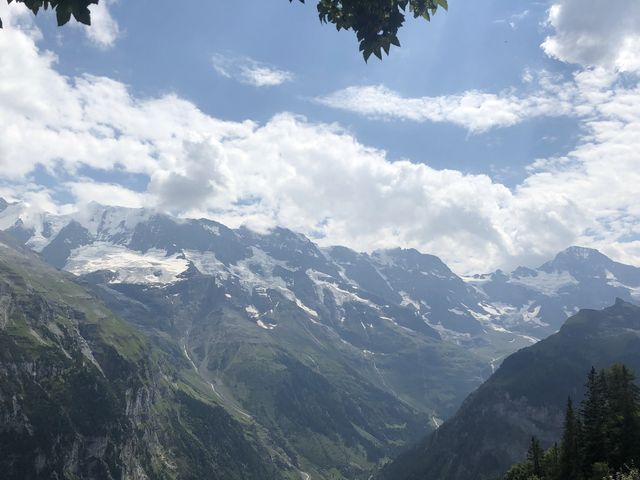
x,y
138,246
266,318
417,291
537,301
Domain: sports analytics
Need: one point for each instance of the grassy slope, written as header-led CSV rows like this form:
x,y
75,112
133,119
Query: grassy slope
x,y
84,395
333,409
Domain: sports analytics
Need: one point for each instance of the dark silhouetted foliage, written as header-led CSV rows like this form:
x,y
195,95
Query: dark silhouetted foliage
x,y
64,9
603,437
375,22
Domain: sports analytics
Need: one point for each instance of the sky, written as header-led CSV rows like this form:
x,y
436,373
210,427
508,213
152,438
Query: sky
x,y
499,133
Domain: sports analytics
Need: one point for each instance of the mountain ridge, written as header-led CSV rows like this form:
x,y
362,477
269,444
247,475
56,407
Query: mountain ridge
x,y
263,317
85,395
526,396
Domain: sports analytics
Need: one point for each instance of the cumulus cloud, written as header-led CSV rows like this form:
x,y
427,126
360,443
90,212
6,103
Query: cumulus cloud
x,y
103,32
86,190
17,16
595,33
249,71
473,110
316,177
104,29
591,33
200,178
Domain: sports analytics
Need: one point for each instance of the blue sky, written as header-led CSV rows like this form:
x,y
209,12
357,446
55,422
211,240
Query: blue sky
x,y
481,140
484,46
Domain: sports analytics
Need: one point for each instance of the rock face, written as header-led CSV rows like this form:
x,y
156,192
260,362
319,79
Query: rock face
x,y
526,396
84,395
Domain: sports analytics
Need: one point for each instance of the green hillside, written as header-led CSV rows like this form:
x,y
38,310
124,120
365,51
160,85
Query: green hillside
x,y
84,395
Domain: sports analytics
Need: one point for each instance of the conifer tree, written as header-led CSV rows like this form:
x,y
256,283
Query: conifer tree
x,y
593,414
600,442
551,463
534,456
623,423
570,451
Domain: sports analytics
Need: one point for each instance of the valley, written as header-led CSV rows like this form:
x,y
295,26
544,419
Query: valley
x,y
337,360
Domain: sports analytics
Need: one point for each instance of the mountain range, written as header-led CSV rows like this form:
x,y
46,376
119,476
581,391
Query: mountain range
x,y
337,360
525,397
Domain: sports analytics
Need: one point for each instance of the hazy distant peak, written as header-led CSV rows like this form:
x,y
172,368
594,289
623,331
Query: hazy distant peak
x,y
581,253
577,258
621,302
408,257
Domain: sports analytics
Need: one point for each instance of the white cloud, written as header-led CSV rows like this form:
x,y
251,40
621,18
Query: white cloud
x,y
473,110
104,29
595,33
103,32
514,20
87,190
591,33
11,12
250,72
201,177
317,178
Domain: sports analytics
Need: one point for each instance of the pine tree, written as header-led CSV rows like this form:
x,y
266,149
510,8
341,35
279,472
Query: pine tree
x,y
623,423
593,414
551,463
570,452
601,441
534,456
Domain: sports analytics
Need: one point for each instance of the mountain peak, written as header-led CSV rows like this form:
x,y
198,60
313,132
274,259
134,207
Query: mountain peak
x,y
575,259
406,254
3,204
623,305
582,253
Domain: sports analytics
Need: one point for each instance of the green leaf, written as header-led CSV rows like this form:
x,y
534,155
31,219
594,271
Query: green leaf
x,y
82,15
63,15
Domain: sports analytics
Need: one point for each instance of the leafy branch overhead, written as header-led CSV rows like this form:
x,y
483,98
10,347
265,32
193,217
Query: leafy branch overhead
x,y
375,22
64,9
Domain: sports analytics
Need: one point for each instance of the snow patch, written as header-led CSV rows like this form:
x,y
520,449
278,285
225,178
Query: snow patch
x,y
266,326
214,229
546,283
304,308
340,296
447,335
407,300
511,315
207,263
633,291
152,267
262,262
